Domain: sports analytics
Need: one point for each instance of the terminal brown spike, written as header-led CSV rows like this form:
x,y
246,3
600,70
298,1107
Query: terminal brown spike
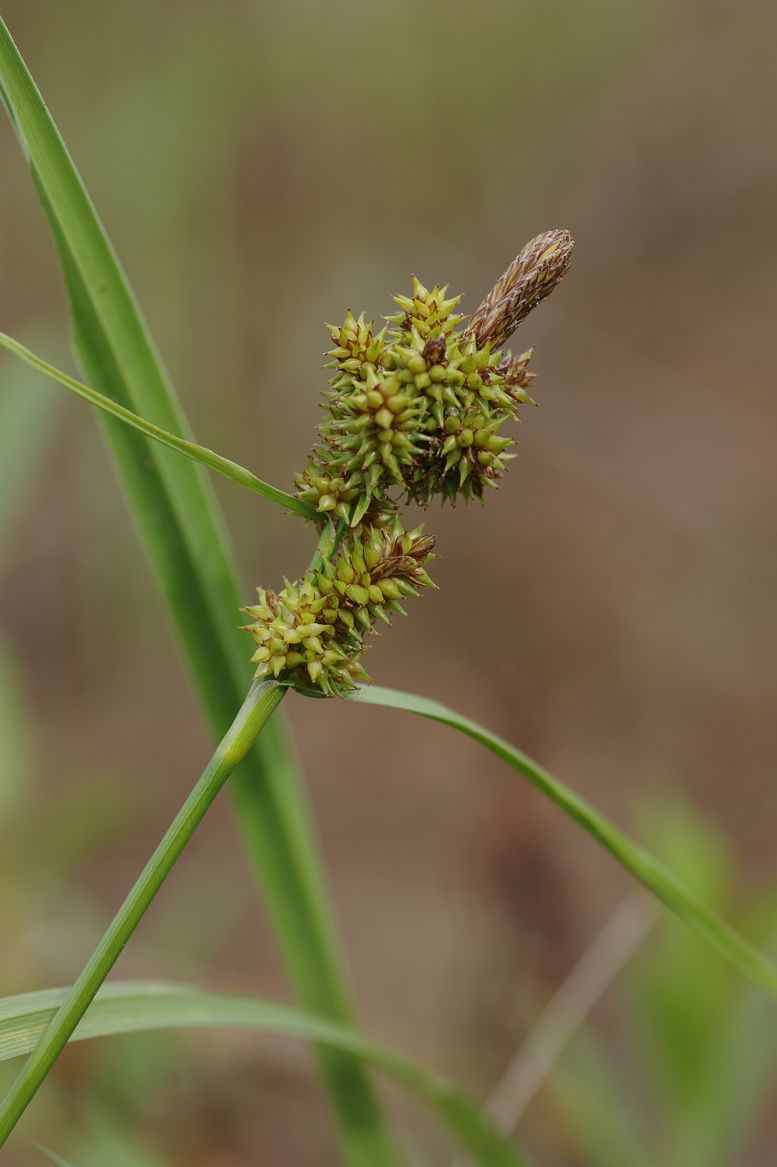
x,y
531,276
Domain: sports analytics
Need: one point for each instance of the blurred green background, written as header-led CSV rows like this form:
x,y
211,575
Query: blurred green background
x,y
260,167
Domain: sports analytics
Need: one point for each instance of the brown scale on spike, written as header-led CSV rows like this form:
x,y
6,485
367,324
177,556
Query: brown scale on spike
x,y
532,276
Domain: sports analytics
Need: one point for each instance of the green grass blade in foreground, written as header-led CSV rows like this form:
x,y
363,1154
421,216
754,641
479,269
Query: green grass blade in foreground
x,y
259,705
131,1007
629,854
183,532
224,466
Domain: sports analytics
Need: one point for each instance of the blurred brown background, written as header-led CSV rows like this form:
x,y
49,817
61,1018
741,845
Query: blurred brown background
x,y
260,167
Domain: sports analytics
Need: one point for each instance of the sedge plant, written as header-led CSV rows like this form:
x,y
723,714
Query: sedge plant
x,y
417,411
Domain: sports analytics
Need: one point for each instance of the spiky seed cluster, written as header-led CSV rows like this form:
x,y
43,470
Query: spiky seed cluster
x,y
466,402
372,431
416,410
403,410
314,631
413,412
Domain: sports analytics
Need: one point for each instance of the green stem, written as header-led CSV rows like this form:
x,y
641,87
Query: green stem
x,y
262,700
298,905
225,466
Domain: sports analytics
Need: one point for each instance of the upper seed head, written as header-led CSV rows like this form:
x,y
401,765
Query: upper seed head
x,y
413,412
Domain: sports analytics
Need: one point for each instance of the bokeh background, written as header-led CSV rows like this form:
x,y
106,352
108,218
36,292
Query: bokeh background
x,y
612,610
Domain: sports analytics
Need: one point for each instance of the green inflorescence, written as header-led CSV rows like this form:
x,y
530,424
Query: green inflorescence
x,y
413,412
313,631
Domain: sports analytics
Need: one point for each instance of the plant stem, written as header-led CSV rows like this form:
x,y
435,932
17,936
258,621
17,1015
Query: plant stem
x,y
256,710
277,826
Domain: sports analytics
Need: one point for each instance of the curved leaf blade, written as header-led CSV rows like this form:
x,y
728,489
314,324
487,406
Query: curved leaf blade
x,y
132,1007
648,870
206,457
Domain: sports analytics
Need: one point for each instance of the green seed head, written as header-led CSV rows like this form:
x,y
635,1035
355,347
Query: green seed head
x,y
313,632
413,412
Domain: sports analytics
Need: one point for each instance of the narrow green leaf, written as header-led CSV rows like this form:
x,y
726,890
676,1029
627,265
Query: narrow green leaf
x,y
131,1007
225,466
183,531
629,854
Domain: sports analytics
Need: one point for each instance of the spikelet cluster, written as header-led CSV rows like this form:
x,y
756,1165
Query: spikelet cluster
x,y
414,411
313,632
418,409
